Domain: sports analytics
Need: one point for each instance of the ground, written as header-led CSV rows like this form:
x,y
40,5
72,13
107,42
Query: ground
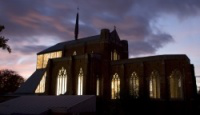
x,y
144,107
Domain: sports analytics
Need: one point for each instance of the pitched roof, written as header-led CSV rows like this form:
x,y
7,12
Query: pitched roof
x,y
152,58
114,36
61,45
42,104
31,84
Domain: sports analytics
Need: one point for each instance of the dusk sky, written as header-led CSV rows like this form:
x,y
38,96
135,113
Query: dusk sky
x,y
152,27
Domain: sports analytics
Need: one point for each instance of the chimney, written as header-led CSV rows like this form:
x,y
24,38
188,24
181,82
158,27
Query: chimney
x,y
105,34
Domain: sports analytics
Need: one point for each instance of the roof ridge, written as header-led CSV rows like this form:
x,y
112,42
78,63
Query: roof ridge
x,y
61,45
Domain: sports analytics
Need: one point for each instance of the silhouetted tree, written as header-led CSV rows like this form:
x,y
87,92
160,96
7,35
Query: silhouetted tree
x,y
9,81
3,41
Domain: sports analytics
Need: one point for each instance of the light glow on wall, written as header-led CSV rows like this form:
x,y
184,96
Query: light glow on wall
x,y
41,87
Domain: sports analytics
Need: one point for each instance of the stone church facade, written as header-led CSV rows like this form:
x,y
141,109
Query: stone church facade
x,y
99,65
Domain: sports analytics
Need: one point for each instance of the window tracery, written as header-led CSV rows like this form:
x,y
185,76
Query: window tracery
x,y
61,81
115,87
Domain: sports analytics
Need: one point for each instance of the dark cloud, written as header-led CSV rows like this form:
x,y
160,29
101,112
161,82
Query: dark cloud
x,y
158,40
140,47
29,49
25,19
150,45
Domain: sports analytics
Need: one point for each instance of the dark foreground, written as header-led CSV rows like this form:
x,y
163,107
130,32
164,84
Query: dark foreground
x,y
138,107
146,107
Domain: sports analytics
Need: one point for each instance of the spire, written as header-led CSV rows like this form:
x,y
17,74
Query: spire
x,y
76,26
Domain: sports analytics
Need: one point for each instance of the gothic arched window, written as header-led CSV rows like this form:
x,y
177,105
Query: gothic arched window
x,y
74,53
134,85
115,87
61,81
154,85
98,87
176,89
80,82
115,55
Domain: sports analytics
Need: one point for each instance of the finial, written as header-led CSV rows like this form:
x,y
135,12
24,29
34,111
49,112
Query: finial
x,y
114,27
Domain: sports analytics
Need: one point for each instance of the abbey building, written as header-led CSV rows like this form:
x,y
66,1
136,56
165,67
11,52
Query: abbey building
x,y
99,65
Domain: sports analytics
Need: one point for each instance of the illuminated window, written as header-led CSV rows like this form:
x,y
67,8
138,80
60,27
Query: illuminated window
x,y
53,55
41,86
59,54
80,82
134,85
46,58
97,87
154,85
115,55
39,61
61,81
176,91
42,59
115,87
74,53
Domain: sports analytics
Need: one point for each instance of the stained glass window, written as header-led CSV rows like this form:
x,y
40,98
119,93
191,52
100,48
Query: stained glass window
x,y
134,85
115,55
97,87
115,87
154,85
61,81
176,91
80,82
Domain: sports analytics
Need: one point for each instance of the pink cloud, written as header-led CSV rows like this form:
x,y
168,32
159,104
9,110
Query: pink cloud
x,y
33,19
23,64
